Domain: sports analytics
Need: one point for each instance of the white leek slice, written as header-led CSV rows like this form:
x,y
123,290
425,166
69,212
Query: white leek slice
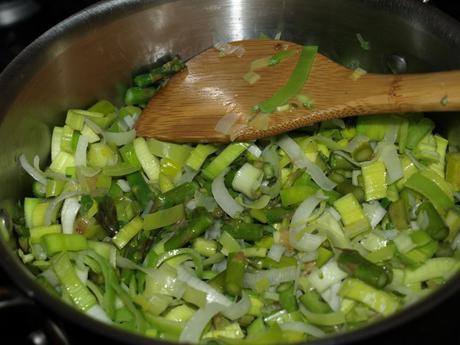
x,y
255,150
391,134
223,197
56,139
68,214
202,200
276,252
90,134
389,156
304,211
270,156
374,212
418,165
329,226
334,213
98,313
302,327
195,326
258,204
160,280
187,176
36,174
50,277
273,276
85,171
212,295
374,241
214,232
120,138
95,128
82,273
307,257
55,202
239,309
323,278
297,156
404,242
356,142
130,120
442,267
80,151
247,180
307,242
331,296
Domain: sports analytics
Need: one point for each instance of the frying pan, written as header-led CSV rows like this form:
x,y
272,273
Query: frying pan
x,y
92,55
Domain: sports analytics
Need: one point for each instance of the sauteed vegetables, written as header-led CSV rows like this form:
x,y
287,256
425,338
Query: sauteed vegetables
x,y
286,239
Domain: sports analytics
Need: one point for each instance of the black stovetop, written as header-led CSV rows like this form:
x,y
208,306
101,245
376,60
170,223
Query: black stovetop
x,y
440,325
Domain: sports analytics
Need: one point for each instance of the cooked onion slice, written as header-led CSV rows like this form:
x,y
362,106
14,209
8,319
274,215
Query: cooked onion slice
x,y
223,197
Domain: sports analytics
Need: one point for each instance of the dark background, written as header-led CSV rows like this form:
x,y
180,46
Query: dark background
x,y
23,326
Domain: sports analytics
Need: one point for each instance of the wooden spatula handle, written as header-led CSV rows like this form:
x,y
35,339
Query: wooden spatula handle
x,y
426,92
439,91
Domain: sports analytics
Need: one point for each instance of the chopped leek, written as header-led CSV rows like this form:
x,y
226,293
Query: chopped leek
x,y
378,300
199,155
54,243
224,159
126,233
374,180
163,218
149,162
71,283
285,239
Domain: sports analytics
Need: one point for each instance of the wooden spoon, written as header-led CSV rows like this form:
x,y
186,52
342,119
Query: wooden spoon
x,y
188,108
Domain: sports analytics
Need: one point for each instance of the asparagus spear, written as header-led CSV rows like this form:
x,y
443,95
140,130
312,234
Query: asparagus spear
x,y
287,297
137,95
358,267
177,195
399,214
195,228
107,215
140,188
236,265
166,70
313,302
244,231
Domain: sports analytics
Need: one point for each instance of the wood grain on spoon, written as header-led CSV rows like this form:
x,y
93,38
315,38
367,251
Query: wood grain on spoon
x,y
188,108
